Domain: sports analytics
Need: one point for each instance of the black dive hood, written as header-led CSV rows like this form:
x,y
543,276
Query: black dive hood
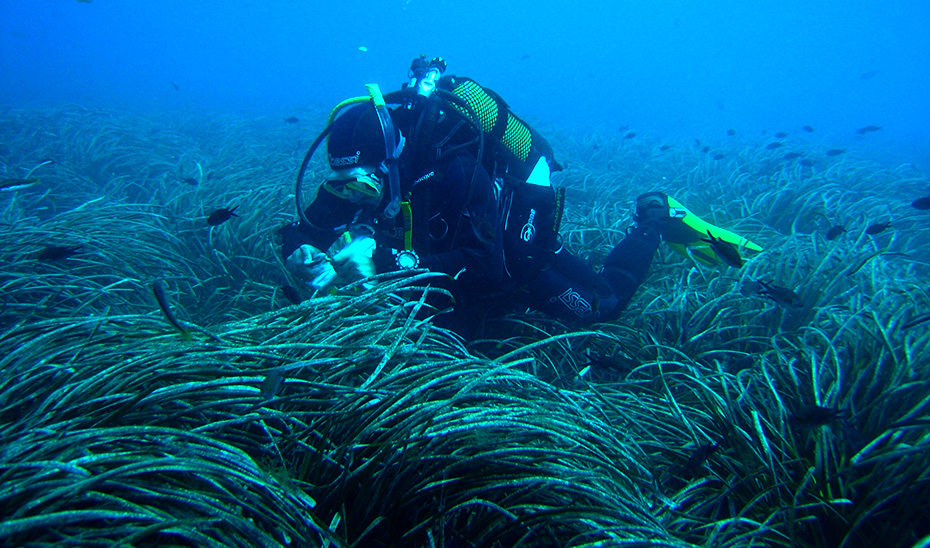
x,y
390,147
399,97
407,96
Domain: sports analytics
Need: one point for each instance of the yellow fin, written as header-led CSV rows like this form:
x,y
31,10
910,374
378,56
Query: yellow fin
x,y
700,250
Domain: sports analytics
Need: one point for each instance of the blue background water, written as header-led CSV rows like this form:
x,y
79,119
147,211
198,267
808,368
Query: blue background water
x,y
666,68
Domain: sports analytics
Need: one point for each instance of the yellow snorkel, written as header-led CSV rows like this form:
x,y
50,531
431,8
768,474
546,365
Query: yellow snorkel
x,y
392,149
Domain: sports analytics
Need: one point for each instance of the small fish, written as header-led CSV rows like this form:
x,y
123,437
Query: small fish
x,y
806,163
697,142
58,252
877,228
815,416
524,57
791,156
272,384
835,151
663,148
731,132
726,251
16,184
706,149
222,215
781,135
190,181
868,129
773,146
158,288
808,129
719,156
292,120
363,49
922,204
781,295
868,75
835,232
700,456
175,86
629,135
291,294
621,129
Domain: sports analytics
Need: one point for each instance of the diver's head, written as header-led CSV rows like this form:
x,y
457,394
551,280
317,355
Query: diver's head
x,y
356,139
357,154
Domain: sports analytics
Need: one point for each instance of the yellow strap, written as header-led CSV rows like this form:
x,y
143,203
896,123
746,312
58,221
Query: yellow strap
x,y
407,212
374,91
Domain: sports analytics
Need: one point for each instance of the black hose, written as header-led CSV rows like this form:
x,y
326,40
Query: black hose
x,y
458,101
303,170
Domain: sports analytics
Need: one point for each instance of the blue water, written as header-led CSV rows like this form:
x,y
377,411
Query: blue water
x,y
666,68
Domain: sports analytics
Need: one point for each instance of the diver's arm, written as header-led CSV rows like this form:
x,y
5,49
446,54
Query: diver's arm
x,y
328,215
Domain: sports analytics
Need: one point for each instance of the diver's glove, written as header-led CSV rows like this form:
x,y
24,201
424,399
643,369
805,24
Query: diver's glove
x,y
354,262
311,264
653,212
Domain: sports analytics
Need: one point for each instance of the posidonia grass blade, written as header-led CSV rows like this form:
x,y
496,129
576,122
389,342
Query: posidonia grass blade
x,y
541,434
25,526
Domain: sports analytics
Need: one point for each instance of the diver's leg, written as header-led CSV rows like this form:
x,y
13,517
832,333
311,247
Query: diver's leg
x,y
568,289
571,290
628,263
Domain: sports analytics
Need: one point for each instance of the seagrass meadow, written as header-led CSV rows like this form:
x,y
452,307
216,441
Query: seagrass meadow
x,y
350,420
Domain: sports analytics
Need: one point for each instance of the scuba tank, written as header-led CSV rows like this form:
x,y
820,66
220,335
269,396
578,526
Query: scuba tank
x,y
516,147
518,158
520,147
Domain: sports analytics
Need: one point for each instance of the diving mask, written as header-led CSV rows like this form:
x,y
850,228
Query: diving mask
x,y
355,187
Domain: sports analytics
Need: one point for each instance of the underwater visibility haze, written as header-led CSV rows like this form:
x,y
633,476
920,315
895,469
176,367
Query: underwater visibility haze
x,y
668,67
164,380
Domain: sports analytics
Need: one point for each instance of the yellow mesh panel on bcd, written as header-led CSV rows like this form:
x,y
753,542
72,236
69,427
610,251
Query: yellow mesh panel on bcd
x,y
482,103
517,138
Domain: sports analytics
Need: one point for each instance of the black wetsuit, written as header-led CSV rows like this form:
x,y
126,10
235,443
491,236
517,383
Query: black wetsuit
x,y
464,240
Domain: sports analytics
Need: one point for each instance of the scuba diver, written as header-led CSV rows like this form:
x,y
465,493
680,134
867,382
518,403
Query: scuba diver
x,y
448,179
